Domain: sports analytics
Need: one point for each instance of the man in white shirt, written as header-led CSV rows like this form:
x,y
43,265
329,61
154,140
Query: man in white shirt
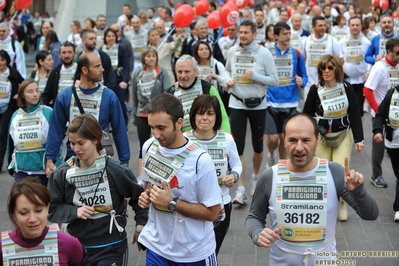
x,y
182,191
13,48
230,40
383,76
122,18
260,26
354,47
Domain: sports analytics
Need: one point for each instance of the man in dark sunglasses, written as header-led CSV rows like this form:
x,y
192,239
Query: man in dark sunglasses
x,y
383,76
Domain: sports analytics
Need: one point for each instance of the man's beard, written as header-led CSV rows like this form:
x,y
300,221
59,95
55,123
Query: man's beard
x,y
68,64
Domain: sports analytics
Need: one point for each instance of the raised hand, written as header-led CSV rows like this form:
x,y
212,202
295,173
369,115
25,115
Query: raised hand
x,y
353,179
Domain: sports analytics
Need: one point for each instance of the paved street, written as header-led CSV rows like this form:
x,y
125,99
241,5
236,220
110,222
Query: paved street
x,y
238,249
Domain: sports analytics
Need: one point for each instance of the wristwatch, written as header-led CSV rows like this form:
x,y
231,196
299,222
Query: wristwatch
x,y
172,205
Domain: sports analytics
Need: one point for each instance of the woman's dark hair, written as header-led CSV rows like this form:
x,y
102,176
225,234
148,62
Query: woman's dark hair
x,y
92,22
41,55
106,33
87,127
267,30
196,48
21,102
201,105
32,189
51,37
4,54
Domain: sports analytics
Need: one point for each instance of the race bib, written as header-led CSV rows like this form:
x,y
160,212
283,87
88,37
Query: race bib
x,y
393,116
334,101
302,206
353,51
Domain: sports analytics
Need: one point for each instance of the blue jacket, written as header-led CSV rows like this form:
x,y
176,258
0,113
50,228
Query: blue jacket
x,y
110,113
374,48
288,93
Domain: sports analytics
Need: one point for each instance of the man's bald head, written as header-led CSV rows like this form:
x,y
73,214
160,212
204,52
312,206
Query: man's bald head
x,y
115,27
136,23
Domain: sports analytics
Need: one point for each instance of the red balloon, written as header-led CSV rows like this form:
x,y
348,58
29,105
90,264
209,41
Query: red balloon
x,y
384,4
21,4
229,14
184,15
251,2
3,4
201,7
375,3
312,3
241,3
225,32
213,20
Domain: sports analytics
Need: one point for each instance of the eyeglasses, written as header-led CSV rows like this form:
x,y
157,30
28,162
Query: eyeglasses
x,y
395,52
331,68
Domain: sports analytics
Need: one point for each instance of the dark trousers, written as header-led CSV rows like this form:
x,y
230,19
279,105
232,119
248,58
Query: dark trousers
x,y
377,156
4,124
394,155
121,94
116,254
143,132
223,227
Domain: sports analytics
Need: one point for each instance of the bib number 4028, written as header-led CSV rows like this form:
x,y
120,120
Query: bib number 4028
x,y
307,218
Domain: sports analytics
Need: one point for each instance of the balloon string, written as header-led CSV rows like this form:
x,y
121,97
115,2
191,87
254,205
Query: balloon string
x,y
15,14
166,38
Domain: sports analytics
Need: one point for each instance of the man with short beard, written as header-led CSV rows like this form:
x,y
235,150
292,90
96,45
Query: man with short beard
x,y
377,49
101,25
62,76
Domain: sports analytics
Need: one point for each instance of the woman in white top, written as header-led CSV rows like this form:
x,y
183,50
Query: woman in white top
x,y
74,36
340,30
44,63
206,120
211,70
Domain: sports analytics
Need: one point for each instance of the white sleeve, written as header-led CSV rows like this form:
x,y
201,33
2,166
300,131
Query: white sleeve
x,y
232,154
376,73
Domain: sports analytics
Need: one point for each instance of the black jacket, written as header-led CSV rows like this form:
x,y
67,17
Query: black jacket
x,y
351,120
15,78
381,118
51,90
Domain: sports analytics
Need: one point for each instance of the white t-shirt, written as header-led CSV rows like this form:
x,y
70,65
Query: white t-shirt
x,y
352,53
232,157
378,81
174,236
331,48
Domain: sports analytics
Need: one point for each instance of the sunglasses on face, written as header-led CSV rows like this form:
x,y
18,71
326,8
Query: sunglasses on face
x,y
331,68
396,52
